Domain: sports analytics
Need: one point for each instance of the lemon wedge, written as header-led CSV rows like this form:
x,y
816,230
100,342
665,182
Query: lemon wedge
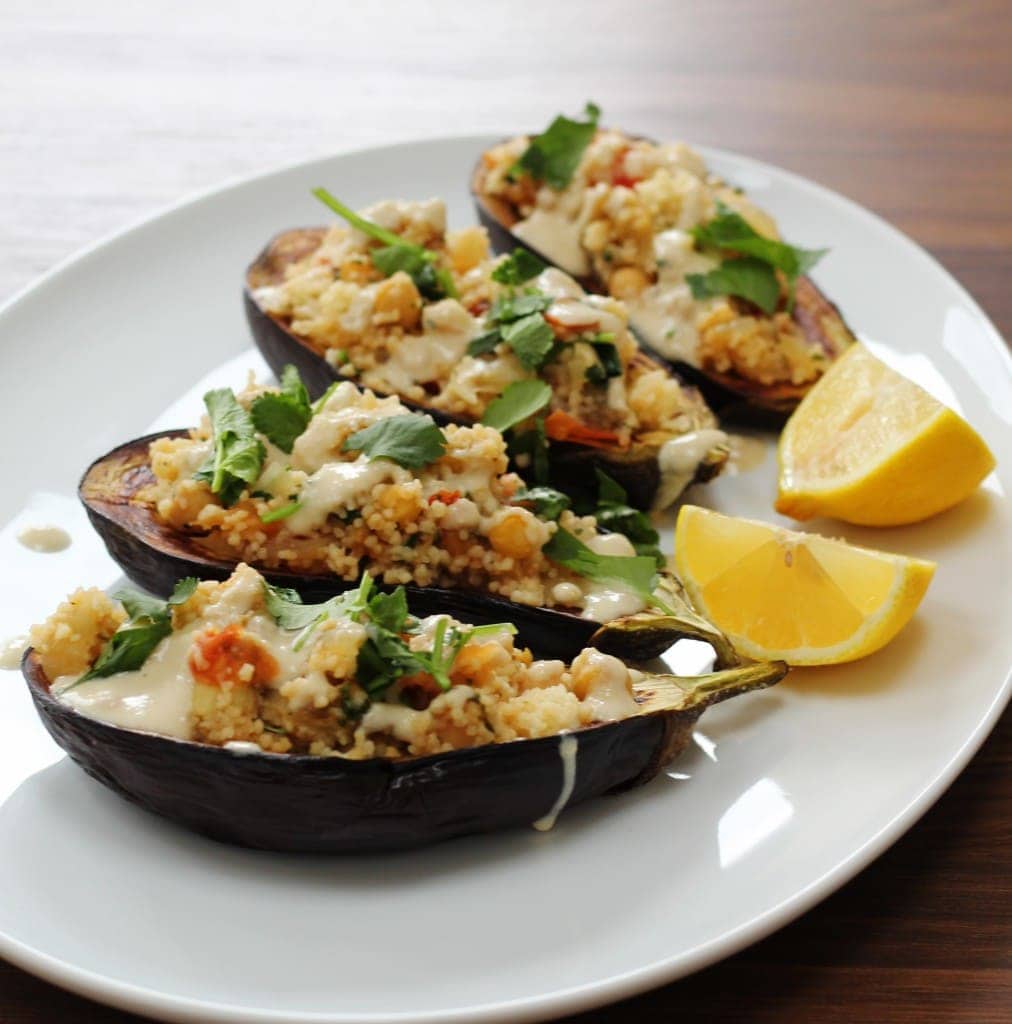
x,y
797,597
867,445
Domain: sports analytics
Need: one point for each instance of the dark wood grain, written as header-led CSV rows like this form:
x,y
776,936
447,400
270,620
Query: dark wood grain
x,y
108,111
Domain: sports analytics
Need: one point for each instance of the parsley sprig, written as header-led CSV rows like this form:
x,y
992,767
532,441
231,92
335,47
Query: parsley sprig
x,y
149,624
554,155
386,656
238,456
615,514
281,416
412,440
751,273
420,264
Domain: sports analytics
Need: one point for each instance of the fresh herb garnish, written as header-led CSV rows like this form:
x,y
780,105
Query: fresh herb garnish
x,y
521,400
412,440
746,277
281,416
275,515
554,155
614,513
531,445
531,339
518,267
238,456
149,624
420,264
548,503
751,276
385,656
516,319
637,572
609,363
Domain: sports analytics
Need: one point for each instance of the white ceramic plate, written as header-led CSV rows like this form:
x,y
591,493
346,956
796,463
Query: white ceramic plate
x,y
787,794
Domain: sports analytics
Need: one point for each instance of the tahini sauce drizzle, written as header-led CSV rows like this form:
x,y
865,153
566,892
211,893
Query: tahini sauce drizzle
x,y
45,539
567,751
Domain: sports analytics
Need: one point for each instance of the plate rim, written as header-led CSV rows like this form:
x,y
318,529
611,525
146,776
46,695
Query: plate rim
x,y
152,1003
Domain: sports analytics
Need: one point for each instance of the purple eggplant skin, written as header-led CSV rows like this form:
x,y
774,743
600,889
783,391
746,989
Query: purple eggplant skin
x,y
730,396
635,469
306,804
155,556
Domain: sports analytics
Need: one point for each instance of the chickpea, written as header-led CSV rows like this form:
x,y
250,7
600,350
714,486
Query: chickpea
x,y
404,505
627,283
398,302
467,248
509,536
358,271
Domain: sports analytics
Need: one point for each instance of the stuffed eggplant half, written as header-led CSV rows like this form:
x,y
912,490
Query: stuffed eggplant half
x,y
709,284
394,302
313,495
353,725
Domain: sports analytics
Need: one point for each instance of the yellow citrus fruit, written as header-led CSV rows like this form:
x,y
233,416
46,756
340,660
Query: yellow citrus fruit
x,y
799,597
867,445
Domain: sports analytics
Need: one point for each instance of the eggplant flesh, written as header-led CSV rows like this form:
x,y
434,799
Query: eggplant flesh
x,y
302,803
154,556
731,395
635,468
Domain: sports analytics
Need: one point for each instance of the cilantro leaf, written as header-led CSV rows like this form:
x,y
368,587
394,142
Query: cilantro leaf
x,y
521,400
608,365
383,659
637,572
281,416
484,342
396,254
614,514
730,231
548,503
238,456
554,155
531,339
508,308
183,590
518,267
532,446
748,278
149,624
390,610
412,440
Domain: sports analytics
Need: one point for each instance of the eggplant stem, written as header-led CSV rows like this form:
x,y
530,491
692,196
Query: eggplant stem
x,y
682,692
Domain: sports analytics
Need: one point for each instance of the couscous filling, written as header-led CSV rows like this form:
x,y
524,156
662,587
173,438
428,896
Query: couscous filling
x,y
357,483
655,227
462,330
247,666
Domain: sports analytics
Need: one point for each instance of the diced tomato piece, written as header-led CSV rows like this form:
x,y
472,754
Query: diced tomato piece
x,y
561,426
219,656
446,497
619,175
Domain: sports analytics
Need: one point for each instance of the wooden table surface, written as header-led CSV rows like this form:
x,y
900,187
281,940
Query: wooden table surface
x,y
110,110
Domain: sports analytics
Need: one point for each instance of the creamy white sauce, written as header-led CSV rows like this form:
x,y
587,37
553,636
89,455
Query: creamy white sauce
x,y
432,355
678,460
608,695
339,486
156,698
567,752
12,652
558,284
44,539
604,600
556,237
567,593
398,720
665,313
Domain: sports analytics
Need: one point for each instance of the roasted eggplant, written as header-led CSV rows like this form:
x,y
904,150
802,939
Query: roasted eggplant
x,y
303,803
154,556
818,320
637,466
